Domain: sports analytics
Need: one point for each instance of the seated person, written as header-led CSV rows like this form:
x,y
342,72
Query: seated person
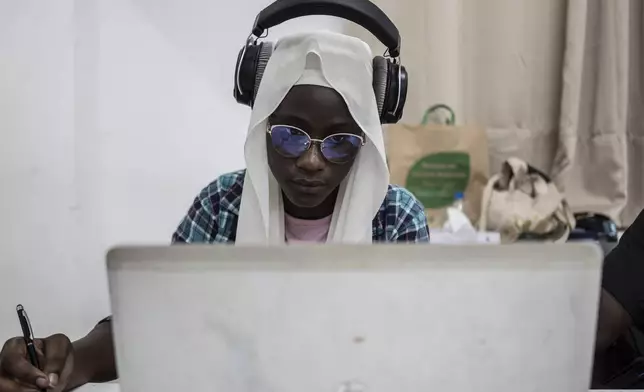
x,y
622,301
315,172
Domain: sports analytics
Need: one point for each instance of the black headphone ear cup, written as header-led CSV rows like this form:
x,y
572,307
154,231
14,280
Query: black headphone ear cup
x,y
237,83
264,55
245,74
396,94
403,84
380,72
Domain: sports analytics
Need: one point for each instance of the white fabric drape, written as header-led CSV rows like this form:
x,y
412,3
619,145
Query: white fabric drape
x,y
555,82
321,58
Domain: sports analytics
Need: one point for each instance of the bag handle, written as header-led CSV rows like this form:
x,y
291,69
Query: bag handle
x,y
510,169
450,121
567,219
485,201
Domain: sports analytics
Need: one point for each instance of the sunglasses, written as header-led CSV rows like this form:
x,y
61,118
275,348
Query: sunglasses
x,y
292,142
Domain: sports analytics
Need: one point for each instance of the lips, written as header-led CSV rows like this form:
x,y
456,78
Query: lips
x,y
306,186
308,183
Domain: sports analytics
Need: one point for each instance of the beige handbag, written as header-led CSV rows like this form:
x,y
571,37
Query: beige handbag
x,y
521,200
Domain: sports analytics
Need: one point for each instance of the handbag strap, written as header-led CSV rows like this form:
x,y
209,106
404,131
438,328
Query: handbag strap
x,y
517,169
451,120
486,199
567,218
517,165
510,169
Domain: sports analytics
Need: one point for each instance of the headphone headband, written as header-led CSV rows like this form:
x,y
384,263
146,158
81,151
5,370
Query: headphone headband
x,y
389,76
362,12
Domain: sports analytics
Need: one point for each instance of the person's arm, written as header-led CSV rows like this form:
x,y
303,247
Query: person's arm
x,y
411,221
63,365
94,357
613,321
200,223
622,299
416,231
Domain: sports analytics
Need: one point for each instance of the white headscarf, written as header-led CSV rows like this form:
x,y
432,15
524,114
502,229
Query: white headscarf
x,y
345,64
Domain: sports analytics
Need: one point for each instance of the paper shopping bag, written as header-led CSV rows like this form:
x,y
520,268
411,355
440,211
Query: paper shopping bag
x,y
437,161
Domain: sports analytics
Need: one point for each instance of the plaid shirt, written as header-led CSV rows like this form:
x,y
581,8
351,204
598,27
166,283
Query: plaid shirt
x,y
213,216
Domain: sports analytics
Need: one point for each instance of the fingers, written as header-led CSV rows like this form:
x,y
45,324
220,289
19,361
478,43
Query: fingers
x,y
15,365
58,360
7,385
39,346
17,374
58,383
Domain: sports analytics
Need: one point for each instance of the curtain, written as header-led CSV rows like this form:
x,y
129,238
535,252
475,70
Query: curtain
x,y
600,156
557,83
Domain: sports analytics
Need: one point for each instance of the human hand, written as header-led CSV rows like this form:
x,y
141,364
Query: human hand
x,y
56,358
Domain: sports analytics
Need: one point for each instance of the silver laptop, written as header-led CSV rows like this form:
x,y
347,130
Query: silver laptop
x,y
355,318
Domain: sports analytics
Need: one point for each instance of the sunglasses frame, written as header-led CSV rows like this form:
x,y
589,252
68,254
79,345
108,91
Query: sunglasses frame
x,y
313,141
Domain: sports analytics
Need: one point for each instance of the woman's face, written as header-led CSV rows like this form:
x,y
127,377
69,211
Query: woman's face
x,y
309,179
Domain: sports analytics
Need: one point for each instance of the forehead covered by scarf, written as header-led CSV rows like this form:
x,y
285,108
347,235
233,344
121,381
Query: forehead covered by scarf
x,y
324,59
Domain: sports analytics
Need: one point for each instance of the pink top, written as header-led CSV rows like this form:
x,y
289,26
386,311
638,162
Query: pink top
x,y
302,230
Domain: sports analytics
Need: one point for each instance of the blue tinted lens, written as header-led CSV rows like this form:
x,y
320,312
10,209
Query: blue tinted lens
x,y
341,148
288,141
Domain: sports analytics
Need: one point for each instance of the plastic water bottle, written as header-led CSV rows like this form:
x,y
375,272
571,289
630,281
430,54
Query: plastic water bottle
x,y
457,221
458,201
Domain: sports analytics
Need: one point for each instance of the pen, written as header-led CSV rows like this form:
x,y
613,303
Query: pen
x,y
28,335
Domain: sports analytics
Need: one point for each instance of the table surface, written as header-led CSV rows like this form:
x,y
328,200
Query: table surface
x,y
108,387
114,387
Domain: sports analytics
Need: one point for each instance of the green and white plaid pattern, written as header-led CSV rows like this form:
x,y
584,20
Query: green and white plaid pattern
x,y
213,216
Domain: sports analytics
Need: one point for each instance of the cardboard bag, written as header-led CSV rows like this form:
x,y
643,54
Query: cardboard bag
x,y
437,161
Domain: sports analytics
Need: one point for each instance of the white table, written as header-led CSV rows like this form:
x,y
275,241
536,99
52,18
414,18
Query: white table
x,y
114,387
108,387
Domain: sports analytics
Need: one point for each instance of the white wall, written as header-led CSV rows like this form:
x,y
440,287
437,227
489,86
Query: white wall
x,y
113,115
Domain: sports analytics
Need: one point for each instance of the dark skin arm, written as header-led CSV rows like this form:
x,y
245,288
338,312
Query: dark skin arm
x,y
622,287
65,365
94,357
613,321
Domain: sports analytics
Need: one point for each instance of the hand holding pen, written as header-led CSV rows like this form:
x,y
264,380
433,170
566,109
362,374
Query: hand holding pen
x,y
28,336
28,364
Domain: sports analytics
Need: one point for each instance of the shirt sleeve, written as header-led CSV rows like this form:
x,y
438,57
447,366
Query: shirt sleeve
x,y
416,231
624,271
199,224
412,222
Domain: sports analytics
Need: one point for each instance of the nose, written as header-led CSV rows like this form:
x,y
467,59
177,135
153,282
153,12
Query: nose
x,y
312,160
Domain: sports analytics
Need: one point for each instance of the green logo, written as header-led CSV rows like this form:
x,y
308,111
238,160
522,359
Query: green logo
x,y
435,178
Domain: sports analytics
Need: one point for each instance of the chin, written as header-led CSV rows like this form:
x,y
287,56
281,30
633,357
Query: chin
x,y
306,199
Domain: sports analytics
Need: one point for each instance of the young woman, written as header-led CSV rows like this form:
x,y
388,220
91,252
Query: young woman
x,y
315,172
316,168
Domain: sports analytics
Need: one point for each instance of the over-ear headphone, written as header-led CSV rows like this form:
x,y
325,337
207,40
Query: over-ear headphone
x,y
389,76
